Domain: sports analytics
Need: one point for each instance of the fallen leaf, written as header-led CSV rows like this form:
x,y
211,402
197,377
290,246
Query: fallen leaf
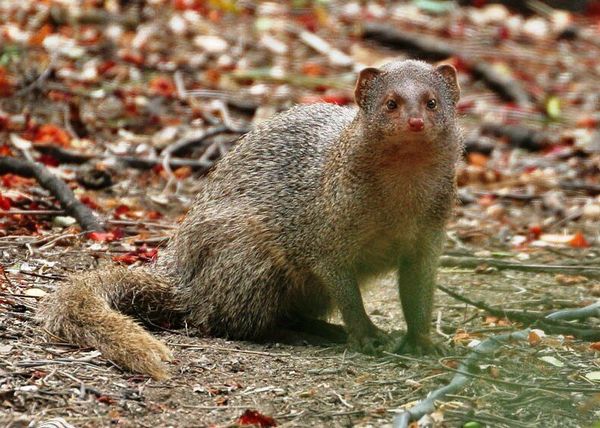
x,y
52,134
553,360
593,375
5,203
570,279
533,338
595,346
252,417
162,86
477,159
34,292
579,241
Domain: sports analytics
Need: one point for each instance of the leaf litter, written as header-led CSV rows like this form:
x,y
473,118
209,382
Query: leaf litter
x,y
130,102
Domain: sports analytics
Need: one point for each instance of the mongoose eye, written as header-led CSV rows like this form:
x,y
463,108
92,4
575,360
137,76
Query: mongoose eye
x,y
432,104
391,105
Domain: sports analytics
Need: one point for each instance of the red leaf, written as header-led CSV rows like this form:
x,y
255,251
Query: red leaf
x,y
162,86
105,66
127,259
337,99
5,203
105,236
154,215
313,69
87,200
579,241
121,210
143,254
6,85
535,231
134,58
106,399
5,149
252,417
52,134
48,160
12,180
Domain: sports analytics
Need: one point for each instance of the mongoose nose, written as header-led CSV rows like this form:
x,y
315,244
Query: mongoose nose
x,y
416,124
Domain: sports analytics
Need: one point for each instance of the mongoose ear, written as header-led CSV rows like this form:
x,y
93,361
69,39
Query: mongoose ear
x,y
448,72
364,79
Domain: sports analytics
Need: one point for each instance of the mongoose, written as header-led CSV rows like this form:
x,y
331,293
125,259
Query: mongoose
x,y
290,223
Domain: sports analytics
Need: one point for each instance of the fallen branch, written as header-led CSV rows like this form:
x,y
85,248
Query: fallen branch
x,y
590,189
465,371
73,157
188,142
519,137
550,323
427,405
473,262
430,48
57,187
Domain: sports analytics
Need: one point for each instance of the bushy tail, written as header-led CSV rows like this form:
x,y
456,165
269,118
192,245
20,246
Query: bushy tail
x,y
95,309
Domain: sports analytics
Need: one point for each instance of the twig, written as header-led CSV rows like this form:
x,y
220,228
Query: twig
x,y
70,156
518,136
335,56
342,82
577,313
464,372
31,212
186,143
591,189
473,262
554,325
57,187
37,83
222,348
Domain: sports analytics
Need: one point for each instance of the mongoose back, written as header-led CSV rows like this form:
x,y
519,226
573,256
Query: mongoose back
x,y
290,223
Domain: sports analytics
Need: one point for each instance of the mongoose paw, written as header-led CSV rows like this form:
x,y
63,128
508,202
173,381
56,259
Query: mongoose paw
x,y
420,345
372,344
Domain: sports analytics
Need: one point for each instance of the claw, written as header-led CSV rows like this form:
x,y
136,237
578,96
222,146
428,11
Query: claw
x,y
420,345
372,344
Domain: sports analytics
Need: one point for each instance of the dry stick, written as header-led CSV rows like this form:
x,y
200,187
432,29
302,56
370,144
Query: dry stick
x,y
550,323
464,372
473,262
436,49
591,189
57,187
186,143
520,137
71,156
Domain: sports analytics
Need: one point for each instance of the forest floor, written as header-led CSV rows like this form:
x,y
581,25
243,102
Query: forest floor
x,y
214,381
100,96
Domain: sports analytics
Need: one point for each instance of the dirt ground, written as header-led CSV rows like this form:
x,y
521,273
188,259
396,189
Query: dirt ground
x,y
214,381
97,105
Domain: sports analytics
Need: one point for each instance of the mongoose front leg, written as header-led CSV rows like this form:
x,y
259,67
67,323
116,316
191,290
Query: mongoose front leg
x,y
363,334
416,281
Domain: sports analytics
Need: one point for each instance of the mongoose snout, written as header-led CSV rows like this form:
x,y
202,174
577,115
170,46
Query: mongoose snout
x,y
416,124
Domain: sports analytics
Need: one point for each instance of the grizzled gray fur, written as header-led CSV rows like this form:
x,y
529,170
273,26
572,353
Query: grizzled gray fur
x,y
291,223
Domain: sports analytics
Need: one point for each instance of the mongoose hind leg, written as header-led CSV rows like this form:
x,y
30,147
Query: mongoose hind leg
x,y
239,292
373,344
326,331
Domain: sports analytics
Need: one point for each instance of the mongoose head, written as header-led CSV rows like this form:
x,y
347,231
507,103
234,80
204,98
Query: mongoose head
x,y
408,103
